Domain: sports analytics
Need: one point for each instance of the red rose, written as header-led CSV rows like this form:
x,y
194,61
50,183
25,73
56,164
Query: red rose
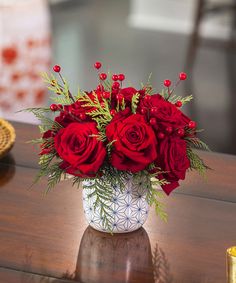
x,y
76,112
128,93
64,119
152,101
71,113
165,112
135,142
172,158
142,92
82,154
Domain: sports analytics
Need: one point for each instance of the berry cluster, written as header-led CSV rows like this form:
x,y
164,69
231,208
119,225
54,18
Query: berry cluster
x,y
117,92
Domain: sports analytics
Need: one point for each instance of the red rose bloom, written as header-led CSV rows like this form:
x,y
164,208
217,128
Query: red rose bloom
x,y
153,101
72,113
135,142
128,93
81,153
166,113
64,119
172,158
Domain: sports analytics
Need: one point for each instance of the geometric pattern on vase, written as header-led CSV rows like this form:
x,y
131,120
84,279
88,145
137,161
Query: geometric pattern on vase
x,y
129,207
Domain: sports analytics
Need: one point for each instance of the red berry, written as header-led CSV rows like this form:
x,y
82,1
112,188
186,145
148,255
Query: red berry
x,y
100,88
103,76
115,77
121,77
143,110
154,110
113,112
153,121
82,116
180,132
106,94
115,85
102,104
182,76
53,107
97,65
167,83
59,106
56,68
169,130
178,103
160,136
192,124
119,97
147,97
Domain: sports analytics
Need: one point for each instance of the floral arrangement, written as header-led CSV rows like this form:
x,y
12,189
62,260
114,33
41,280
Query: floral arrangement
x,y
113,132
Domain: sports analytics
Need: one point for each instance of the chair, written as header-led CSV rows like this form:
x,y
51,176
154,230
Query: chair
x,y
205,8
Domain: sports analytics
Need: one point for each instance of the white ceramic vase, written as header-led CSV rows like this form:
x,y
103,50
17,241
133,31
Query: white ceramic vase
x,y
129,207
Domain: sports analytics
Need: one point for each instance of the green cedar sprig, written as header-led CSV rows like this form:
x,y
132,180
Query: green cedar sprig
x,y
196,162
159,206
135,102
64,95
151,185
174,98
197,143
42,115
101,192
44,163
100,113
55,174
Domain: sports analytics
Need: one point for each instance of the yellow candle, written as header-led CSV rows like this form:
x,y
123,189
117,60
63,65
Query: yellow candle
x,y
231,265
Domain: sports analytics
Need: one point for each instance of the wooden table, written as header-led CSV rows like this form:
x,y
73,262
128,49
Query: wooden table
x,y
46,239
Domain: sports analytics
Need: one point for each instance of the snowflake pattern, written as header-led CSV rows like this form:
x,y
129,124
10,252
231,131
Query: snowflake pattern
x,y
129,207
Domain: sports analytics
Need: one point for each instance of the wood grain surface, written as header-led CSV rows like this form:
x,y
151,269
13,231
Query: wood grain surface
x,y
14,276
47,239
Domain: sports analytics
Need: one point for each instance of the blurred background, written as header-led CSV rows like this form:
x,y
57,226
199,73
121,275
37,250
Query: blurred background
x,y
134,37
